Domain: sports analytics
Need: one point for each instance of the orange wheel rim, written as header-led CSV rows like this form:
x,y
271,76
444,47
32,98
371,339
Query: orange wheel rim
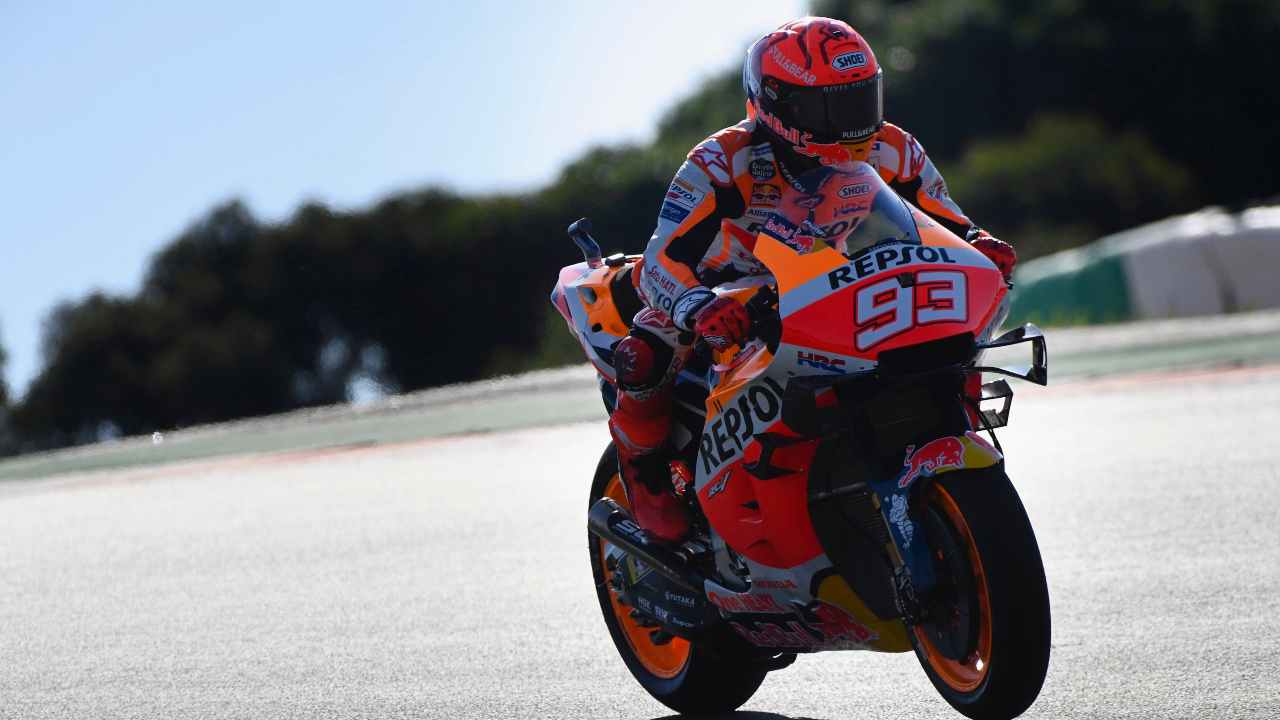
x,y
664,661
962,675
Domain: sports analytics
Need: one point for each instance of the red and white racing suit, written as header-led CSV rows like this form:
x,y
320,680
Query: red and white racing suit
x,y
726,189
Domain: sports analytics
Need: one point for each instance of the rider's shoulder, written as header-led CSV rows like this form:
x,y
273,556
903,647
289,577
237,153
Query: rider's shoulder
x,y
715,155
893,135
898,153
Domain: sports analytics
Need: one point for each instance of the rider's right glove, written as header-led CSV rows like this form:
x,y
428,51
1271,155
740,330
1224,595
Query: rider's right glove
x,y
997,251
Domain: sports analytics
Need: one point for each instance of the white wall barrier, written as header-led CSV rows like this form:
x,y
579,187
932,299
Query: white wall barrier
x,y
1205,263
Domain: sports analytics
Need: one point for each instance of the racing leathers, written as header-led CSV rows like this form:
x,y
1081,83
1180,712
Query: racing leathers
x,y
724,192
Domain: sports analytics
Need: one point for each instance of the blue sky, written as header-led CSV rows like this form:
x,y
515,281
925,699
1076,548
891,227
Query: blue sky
x,y
125,121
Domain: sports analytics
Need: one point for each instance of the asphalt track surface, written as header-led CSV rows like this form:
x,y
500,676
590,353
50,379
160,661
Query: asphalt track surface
x,y
447,578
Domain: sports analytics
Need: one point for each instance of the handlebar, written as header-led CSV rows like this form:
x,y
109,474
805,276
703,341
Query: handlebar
x,y
762,310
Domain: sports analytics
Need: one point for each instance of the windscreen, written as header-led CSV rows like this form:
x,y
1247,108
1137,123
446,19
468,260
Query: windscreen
x,y
846,207
887,220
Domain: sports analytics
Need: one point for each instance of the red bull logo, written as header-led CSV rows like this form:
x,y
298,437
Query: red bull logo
x,y
945,453
828,153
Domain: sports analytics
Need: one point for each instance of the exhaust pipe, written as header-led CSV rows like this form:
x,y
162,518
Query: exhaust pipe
x,y
610,522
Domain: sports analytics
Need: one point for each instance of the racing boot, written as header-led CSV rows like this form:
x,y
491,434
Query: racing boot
x,y
639,429
654,505
646,363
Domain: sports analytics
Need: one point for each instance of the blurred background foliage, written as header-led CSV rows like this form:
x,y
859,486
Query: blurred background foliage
x,y
1054,122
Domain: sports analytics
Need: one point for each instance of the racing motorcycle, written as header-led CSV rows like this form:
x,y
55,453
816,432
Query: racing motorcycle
x,y
842,493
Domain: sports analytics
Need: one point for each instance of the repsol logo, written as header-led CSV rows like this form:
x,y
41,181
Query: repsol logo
x,y
752,412
885,258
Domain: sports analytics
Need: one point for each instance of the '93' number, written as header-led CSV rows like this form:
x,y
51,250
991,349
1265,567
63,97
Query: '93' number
x,y
884,309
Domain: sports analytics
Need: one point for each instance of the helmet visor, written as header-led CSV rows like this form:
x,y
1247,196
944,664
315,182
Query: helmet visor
x,y
834,113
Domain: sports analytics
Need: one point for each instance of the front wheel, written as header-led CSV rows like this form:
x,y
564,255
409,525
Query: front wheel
x,y
701,678
985,646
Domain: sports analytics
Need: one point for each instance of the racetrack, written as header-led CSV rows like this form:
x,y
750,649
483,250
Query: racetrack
x,y
448,578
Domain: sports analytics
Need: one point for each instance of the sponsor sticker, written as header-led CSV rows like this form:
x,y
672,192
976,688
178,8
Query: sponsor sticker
x,y
780,228
822,625
935,455
828,153
854,190
746,603
898,516
858,209
762,169
660,287
791,67
820,362
719,487
726,437
673,212
773,584
809,202
946,453
889,257
678,599
790,134
684,196
849,60
765,195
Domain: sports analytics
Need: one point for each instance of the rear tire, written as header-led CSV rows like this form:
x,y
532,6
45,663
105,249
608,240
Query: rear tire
x,y
987,651
705,677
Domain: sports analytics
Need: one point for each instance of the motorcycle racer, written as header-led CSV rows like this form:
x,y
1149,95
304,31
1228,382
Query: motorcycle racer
x,y
814,98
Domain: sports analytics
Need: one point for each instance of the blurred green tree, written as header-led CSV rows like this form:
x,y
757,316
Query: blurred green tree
x,y
8,443
1053,122
4,387
1184,74
1047,195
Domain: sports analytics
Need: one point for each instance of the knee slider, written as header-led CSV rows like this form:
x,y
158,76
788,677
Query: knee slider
x,y
641,360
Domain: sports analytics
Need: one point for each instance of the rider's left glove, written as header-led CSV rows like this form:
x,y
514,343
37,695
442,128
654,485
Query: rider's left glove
x,y
722,323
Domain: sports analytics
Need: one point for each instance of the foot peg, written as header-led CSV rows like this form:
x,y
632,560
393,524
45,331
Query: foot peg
x,y
609,521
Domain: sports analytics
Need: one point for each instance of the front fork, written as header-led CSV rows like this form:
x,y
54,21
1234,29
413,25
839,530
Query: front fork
x,y
913,572
901,499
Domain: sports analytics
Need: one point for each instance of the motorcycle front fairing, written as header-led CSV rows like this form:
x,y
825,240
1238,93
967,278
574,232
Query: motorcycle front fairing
x,y
898,288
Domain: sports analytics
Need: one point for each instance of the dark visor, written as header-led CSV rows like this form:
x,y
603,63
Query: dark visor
x,y
849,112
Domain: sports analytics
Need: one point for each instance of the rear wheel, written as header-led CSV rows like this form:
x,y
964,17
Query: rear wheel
x,y
986,645
703,677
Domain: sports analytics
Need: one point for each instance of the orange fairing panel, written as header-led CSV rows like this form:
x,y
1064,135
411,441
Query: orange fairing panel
x,y
790,268
586,295
765,520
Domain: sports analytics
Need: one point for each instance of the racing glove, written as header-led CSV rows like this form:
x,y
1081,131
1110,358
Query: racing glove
x,y
997,251
720,321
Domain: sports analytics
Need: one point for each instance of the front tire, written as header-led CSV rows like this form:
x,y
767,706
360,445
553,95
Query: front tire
x,y
986,649
701,678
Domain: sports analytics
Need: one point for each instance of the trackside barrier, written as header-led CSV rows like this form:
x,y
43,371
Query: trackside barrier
x,y
1205,263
